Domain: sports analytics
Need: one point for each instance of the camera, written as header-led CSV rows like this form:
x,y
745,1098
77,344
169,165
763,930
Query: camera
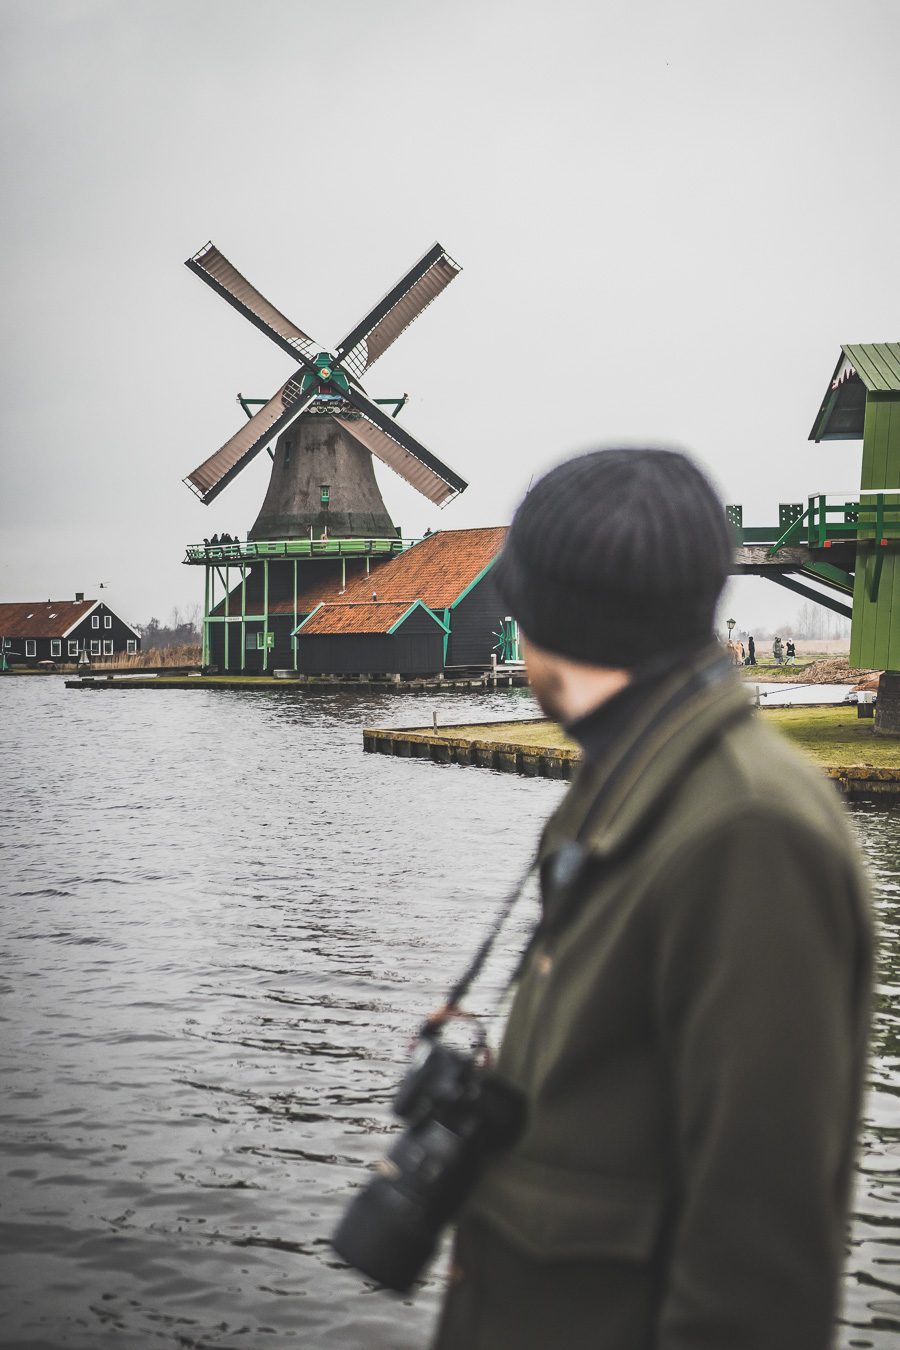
x,y
458,1113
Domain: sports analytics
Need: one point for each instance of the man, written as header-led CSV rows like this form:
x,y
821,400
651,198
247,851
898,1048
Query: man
x,y
689,1028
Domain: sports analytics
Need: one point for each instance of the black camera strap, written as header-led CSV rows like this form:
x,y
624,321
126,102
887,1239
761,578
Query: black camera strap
x,y
433,1024
568,867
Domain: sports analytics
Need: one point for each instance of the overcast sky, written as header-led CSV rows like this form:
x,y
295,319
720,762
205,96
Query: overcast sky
x,y
669,216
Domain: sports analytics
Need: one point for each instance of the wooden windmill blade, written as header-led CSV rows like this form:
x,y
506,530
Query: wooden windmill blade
x,y
215,473
215,269
394,446
397,310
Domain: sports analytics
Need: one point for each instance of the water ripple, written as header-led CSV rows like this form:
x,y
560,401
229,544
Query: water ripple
x,y
218,938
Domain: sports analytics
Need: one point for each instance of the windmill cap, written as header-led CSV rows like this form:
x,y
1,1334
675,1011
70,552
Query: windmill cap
x,y
617,557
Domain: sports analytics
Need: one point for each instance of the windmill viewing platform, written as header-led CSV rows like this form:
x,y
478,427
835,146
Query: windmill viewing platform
x,y
837,542
256,550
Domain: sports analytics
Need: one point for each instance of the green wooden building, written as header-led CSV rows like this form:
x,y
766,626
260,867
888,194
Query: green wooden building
x,y
862,402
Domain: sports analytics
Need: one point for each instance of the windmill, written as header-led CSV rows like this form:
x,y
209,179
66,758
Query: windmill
x,y
325,427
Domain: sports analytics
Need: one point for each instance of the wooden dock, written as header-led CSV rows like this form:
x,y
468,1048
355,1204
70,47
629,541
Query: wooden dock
x,y
486,680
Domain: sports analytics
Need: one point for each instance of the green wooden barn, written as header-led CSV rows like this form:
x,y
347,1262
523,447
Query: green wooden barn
x,y
863,402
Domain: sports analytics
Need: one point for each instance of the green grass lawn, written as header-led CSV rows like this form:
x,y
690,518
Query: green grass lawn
x,y
527,735
766,668
834,737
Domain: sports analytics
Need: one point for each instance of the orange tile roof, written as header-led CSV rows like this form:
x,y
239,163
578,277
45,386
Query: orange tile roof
x,y
436,570
42,618
327,590
372,616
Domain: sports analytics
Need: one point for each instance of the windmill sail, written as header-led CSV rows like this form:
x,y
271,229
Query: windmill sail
x,y
215,269
403,453
210,477
397,310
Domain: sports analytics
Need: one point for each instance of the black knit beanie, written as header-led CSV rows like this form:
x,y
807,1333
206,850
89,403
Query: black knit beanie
x,y
617,558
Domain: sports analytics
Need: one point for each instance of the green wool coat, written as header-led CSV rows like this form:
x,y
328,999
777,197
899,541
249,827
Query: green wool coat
x,y
691,1045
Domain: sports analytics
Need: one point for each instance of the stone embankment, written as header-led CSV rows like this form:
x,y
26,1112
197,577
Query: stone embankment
x,y
862,766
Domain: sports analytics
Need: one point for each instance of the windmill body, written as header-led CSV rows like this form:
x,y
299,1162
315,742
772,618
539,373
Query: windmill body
x,y
322,485
323,521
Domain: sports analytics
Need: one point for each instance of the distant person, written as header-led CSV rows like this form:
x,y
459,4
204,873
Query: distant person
x,y
791,654
778,651
743,655
751,651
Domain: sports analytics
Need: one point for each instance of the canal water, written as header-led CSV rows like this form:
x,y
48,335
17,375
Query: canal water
x,y
220,925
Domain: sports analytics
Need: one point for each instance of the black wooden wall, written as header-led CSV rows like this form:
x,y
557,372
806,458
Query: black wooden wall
x,y
417,648
473,624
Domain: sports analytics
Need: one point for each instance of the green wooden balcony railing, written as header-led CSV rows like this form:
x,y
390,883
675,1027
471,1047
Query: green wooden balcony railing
x,y
874,517
247,550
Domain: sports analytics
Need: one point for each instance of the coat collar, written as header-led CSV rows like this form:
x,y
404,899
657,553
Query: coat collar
x,y
610,800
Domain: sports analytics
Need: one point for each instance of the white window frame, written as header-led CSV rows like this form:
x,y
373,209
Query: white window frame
x,y
95,620
107,621
73,646
7,643
107,647
131,646
95,646
56,646
31,646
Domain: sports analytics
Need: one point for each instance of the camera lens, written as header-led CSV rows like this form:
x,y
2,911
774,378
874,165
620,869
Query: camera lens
x,y
384,1234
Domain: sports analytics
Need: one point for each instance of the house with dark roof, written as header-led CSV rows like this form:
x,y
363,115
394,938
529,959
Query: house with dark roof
x,y
61,630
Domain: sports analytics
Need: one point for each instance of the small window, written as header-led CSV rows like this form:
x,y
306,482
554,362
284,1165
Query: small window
x,y
260,642
56,647
95,620
288,447
325,494
107,647
7,643
130,646
73,646
95,646
107,621
30,647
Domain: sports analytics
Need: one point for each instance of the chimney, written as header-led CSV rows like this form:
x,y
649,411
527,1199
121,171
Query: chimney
x,y
79,595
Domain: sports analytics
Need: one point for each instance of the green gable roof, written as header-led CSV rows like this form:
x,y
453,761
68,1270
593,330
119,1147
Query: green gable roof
x,y
876,363
862,368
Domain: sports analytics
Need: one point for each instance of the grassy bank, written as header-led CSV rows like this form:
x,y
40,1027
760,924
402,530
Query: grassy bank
x,y
530,735
833,737
808,669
